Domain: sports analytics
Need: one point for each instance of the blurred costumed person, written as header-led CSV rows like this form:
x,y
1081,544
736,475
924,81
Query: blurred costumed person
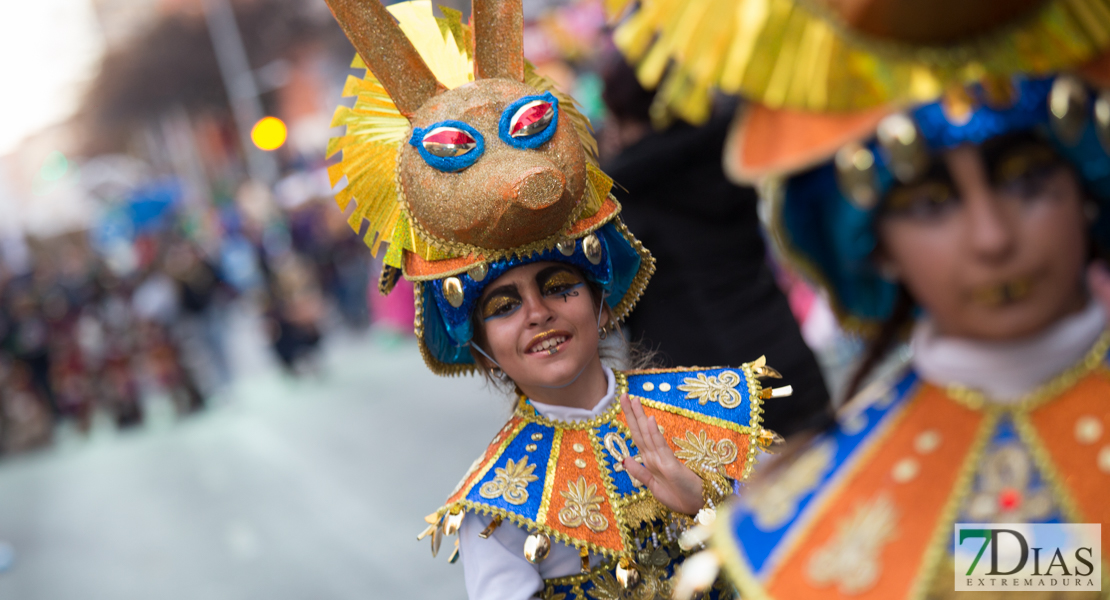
x,y
680,204
942,170
482,179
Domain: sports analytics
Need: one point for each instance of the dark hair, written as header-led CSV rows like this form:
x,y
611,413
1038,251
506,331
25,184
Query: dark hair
x,y
890,332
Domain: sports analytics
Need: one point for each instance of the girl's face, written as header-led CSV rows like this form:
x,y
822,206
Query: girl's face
x,y
993,242
539,322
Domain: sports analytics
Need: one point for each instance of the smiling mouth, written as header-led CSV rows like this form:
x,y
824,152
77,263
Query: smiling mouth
x,y
548,342
1004,293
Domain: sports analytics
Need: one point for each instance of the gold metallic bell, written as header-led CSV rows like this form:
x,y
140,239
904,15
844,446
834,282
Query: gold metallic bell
x,y
855,173
493,525
1067,106
536,547
478,272
627,573
904,147
453,521
437,540
566,247
453,291
584,557
696,575
1102,118
768,438
591,247
765,372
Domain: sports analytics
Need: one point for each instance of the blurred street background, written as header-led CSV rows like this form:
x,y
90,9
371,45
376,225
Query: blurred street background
x,y
202,394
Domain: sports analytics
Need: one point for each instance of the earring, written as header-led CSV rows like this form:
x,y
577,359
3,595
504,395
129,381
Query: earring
x,y
497,373
602,333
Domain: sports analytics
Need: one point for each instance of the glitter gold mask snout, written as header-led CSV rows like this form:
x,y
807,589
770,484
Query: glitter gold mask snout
x,y
510,196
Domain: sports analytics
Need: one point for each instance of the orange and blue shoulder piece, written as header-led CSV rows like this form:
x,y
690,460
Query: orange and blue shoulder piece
x,y
567,480
867,509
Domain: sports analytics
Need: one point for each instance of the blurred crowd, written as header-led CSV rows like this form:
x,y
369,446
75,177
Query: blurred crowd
x,y
82,339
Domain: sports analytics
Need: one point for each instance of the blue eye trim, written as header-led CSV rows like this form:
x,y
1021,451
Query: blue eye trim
x,y
448,164
528,142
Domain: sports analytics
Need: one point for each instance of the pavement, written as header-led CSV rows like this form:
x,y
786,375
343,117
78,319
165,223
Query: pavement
x,y
287,489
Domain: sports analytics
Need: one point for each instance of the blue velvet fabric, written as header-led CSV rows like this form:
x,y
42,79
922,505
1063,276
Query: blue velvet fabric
x,y
836,237
535,140
448,330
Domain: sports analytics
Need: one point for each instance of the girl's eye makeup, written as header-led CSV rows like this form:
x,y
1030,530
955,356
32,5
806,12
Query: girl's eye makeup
x,y
1025,171
562,283
499,305
927,199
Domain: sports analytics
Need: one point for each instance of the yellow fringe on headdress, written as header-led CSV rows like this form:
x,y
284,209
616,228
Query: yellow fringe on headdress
x,y
794,54
376,131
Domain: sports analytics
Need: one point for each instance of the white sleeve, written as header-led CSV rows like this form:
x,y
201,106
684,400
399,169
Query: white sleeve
x,y
495,567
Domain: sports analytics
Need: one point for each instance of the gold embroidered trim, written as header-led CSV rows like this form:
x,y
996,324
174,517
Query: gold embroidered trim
x,y
936,549
640,281
526,412
1095,357
552,463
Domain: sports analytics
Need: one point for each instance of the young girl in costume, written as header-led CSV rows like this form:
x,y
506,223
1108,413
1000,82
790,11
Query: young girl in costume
x,y
482,179
967,220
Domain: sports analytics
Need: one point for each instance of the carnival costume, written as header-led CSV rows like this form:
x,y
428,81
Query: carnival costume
x,y
469,164
845,107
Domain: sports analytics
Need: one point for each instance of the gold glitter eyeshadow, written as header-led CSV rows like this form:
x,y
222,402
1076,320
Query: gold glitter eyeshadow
x,y
930,192
497,305
1020,163
560,279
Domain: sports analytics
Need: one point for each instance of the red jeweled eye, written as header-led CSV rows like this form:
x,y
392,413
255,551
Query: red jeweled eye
x,y
531,118
447,142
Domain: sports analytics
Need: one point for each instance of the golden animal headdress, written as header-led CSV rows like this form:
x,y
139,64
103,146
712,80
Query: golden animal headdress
x,y
466,163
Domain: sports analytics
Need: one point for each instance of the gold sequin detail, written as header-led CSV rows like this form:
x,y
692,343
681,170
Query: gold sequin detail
x,y
578,447
664,387
530,447
581,464
649,386
537,437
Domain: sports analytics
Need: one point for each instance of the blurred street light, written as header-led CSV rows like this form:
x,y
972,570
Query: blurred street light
x,y
241,88
269,133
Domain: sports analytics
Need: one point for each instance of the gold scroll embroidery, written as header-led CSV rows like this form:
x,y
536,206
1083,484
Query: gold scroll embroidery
x,y
618,449
583,506
511,482
714,388
850,560
702,453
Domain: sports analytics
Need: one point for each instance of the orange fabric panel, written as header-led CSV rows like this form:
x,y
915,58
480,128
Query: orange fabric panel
x,y
493,448
1076,462
918,502
675,426
767,141
567,472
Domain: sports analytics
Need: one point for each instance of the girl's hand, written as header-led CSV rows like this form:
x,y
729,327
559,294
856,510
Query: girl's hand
x,y
672,483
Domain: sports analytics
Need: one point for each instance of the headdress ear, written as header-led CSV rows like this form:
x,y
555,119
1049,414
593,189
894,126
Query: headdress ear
x,y
499,39
390,55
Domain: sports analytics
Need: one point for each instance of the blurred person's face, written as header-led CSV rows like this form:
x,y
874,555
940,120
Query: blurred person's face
x,y
992,244
540,323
